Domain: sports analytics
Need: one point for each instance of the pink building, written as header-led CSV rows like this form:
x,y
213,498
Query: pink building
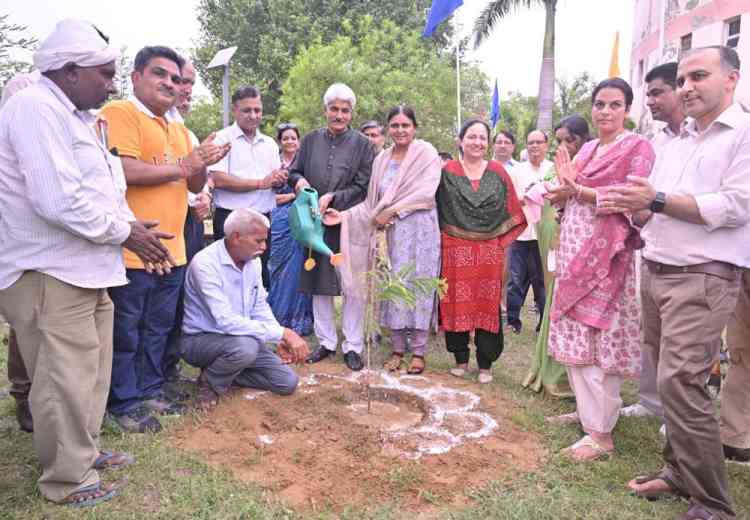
x,y
664,28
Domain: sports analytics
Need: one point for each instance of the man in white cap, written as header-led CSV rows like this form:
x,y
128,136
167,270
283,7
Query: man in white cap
x,y
63,225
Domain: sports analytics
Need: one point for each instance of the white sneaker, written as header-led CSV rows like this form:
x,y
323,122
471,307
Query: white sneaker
x,y
457,372
635,410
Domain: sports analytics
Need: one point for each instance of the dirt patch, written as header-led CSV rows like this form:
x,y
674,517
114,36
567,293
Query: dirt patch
x,y
426,440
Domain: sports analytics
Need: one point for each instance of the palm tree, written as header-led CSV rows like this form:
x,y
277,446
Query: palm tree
x,y
499,9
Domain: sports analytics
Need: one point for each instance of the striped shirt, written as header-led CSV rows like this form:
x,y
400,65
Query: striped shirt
x,y
62,195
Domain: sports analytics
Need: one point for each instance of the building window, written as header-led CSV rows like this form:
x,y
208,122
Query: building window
x,y
686,42
733,32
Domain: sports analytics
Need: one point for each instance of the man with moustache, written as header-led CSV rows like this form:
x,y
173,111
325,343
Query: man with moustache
x,y
695,208
63,226
665,106
337,162
502,149
160,165
525,262
374,133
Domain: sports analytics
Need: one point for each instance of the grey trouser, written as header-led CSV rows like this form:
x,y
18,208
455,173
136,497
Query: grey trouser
x,y
735,405
241,360
683,317
20,383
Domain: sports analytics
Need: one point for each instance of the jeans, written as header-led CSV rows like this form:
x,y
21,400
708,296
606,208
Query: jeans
x,y
525,270
144,315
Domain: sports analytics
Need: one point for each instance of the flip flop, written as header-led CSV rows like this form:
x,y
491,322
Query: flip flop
x,y
91,495
588,442
418,367
112,460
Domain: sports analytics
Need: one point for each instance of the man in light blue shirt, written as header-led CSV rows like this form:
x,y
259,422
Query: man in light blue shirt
x,y
228,321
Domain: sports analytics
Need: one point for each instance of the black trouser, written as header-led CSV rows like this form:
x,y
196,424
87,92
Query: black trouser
x,y
525,270
489,346
194,242
220,215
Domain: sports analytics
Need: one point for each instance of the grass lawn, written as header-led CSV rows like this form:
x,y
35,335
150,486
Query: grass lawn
x,y
166,483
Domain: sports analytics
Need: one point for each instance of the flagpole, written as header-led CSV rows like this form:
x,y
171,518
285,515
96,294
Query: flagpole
x,y
458,73
662,16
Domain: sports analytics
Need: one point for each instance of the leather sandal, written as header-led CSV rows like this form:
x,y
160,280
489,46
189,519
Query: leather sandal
x,y
416,366
673,490
112,460
394,362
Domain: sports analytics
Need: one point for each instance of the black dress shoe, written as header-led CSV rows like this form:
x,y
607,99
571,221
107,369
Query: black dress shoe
x,y
736,454
319,354
23,416
353,361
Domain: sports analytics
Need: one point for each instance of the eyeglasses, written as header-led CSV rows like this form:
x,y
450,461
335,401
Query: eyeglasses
x,y
286,126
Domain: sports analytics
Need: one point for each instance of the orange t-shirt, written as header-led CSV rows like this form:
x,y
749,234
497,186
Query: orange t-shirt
x,y
154,140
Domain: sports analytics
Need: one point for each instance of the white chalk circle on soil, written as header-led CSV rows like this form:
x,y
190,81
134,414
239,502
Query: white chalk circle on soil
x,y
442,419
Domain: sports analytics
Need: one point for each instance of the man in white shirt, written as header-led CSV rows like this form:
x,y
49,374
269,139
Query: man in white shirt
x,y
524,260
63,224
665,106
696,210
228,320
246,176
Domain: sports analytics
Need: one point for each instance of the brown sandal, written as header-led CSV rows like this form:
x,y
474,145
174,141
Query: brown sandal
x,y
394,362
416,366
92,495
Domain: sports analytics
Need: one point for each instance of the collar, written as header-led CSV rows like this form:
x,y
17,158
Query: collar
x,y
732,117
336,137
143,108
235,132
224,257
173,116
87,115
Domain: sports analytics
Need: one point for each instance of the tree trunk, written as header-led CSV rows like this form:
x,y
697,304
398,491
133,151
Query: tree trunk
x,y
547,74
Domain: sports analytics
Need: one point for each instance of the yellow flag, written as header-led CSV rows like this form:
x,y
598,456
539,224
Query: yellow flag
x,y
614,62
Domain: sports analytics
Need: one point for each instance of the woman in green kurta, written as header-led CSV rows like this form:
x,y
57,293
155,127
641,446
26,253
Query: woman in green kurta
x,y
545,372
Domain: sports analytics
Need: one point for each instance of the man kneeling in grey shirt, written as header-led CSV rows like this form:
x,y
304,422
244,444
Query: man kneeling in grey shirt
x,y
228,320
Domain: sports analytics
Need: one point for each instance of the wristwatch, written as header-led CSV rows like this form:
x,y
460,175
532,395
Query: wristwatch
x,y
657,205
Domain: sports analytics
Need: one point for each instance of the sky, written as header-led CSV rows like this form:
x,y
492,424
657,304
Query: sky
x,y
585,32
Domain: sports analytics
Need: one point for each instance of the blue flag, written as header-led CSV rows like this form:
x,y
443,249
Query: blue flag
x,y
495,110
439,11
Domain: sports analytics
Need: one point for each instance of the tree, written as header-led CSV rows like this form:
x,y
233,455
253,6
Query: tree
x,y
205,117
388,66
574,96
270,34
122,79
499,9
11,40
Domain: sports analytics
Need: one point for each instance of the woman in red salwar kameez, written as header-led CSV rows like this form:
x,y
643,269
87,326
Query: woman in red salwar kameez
x,y
480,216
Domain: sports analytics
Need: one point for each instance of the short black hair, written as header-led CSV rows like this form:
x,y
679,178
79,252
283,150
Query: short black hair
x,y
248,91
446,156
507,134
577,126
146,54
667,72
616,83
402,109
471,122
729,58
370,124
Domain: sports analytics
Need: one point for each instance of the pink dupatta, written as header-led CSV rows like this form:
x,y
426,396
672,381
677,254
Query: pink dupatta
x,y
595,278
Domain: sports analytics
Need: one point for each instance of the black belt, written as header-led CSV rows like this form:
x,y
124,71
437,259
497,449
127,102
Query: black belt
x,y
715,268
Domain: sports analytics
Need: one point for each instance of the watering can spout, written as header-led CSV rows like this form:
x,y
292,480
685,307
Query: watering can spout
x,y
306,224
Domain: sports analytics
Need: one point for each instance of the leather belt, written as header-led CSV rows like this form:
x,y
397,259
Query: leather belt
x,y
715,268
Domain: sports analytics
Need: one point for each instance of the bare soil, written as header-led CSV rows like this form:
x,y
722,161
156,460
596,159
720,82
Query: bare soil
x,y
426,441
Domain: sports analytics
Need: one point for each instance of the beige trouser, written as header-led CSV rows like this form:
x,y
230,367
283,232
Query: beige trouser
x,y
735,394
597,398
683,317
65,337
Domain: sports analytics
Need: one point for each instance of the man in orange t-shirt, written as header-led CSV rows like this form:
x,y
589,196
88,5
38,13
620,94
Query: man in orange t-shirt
x,y
160,166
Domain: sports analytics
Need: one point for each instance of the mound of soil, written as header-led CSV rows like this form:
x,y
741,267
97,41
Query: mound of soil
x,y
425,441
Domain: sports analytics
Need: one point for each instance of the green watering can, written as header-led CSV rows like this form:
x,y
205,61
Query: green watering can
x,y
306,224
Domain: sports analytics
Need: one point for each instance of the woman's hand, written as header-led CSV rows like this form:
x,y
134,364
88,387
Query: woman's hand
x,y
383,220
563,166
558,195
332,217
